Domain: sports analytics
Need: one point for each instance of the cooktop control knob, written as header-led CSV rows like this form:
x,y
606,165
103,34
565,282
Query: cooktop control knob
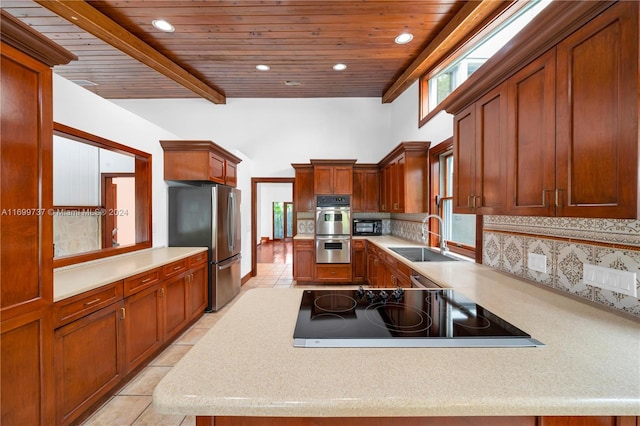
x,y
383,296
370,295
397,294
360,292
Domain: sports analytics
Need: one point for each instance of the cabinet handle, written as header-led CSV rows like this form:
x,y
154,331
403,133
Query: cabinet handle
x,y
93,302
479,197
162,292
122,313
558,191
146,280
175,268
469,201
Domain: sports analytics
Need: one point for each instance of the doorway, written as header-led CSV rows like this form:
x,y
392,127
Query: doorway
x,y
282,220
261,190
119,203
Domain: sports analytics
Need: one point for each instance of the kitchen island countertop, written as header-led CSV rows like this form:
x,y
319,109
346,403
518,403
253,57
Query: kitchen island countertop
x,y
247,366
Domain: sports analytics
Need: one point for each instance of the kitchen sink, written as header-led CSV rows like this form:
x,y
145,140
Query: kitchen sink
x,y
421,254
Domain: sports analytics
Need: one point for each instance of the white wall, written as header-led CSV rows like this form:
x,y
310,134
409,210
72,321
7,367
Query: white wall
x,y
81,109
267,194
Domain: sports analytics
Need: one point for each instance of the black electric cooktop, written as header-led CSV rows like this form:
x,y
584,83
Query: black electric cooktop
x,y
401,318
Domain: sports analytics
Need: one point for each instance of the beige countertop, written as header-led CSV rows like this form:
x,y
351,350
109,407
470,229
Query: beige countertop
x,y
73,280
247,366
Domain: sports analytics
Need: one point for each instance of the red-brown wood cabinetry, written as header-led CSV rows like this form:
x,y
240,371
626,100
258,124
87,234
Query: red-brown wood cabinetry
x,y
333,177
304,199
304,260
572,114
27,387
366,189
359,261
199,161
480,155
404,179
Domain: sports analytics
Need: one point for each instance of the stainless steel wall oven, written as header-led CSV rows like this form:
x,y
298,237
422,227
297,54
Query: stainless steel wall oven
x,y
333,229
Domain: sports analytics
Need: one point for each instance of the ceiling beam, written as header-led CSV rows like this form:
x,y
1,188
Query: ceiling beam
x,y
472,14
94,22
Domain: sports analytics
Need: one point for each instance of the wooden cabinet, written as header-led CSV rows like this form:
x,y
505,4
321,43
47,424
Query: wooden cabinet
x,y
143,325
404,179
26,230
199,161
359,261
479,153
88,361
531,162
333,176
597,117
304,260
366,189
304,199
175,308
197,285
333,272
571,114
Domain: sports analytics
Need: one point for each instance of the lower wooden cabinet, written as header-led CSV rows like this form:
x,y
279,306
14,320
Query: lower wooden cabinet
x,y
88,361
359,261
143,325
104,335
304,260
333,272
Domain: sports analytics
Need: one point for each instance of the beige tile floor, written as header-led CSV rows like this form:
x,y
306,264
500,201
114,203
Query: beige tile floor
x,y
132,405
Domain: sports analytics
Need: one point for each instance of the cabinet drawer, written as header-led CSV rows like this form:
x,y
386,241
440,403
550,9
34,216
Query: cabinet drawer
x,y
141,281
333,272
304,243
198,259
359,244
175,268
76,307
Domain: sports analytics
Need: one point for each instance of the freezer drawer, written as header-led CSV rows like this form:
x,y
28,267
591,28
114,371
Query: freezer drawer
x,y
225,282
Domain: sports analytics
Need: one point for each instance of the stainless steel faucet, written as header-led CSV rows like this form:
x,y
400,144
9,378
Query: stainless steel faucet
x,y
443,244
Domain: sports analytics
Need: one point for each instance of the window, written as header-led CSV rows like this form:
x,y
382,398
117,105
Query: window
x,y
439,84
459,229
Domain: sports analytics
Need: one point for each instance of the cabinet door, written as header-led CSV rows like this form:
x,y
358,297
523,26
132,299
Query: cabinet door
x,y
372,277
464,148
342,180
216,168
304,260
143,325
385,189
175,308
597,117
304,198
84,371
357,200
531,138
371,190
231,174
359,261
323,179
397,185
198,288
490,162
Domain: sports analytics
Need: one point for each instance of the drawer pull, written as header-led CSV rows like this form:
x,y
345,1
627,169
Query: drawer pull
x,y
175,268
93,302
122,311
146,280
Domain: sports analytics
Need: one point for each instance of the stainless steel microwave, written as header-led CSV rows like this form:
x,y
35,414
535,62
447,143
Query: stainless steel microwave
x,y
367,227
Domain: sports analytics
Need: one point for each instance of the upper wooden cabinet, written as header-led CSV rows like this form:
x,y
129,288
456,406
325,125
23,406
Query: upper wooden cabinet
x,y
333,176
572,120
404,179
199,161
479,146
304,199
366,188
597,117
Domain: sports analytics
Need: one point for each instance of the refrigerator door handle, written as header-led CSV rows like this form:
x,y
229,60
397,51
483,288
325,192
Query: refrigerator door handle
x,y
231,221
229,264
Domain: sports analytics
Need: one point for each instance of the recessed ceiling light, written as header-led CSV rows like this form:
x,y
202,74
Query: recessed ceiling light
x,y
404,38
292,83
84,83
339,67
163,25
263,67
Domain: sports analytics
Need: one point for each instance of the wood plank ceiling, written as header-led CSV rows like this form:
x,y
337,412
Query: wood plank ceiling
x,y
216,45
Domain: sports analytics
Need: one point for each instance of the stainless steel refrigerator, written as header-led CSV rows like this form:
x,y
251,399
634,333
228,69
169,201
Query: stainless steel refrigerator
x,y
209,216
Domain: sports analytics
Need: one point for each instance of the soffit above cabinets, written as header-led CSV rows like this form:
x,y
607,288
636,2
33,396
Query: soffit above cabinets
x,y
216,45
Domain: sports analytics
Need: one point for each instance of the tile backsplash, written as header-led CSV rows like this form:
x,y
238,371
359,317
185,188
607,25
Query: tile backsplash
x,y
568,244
